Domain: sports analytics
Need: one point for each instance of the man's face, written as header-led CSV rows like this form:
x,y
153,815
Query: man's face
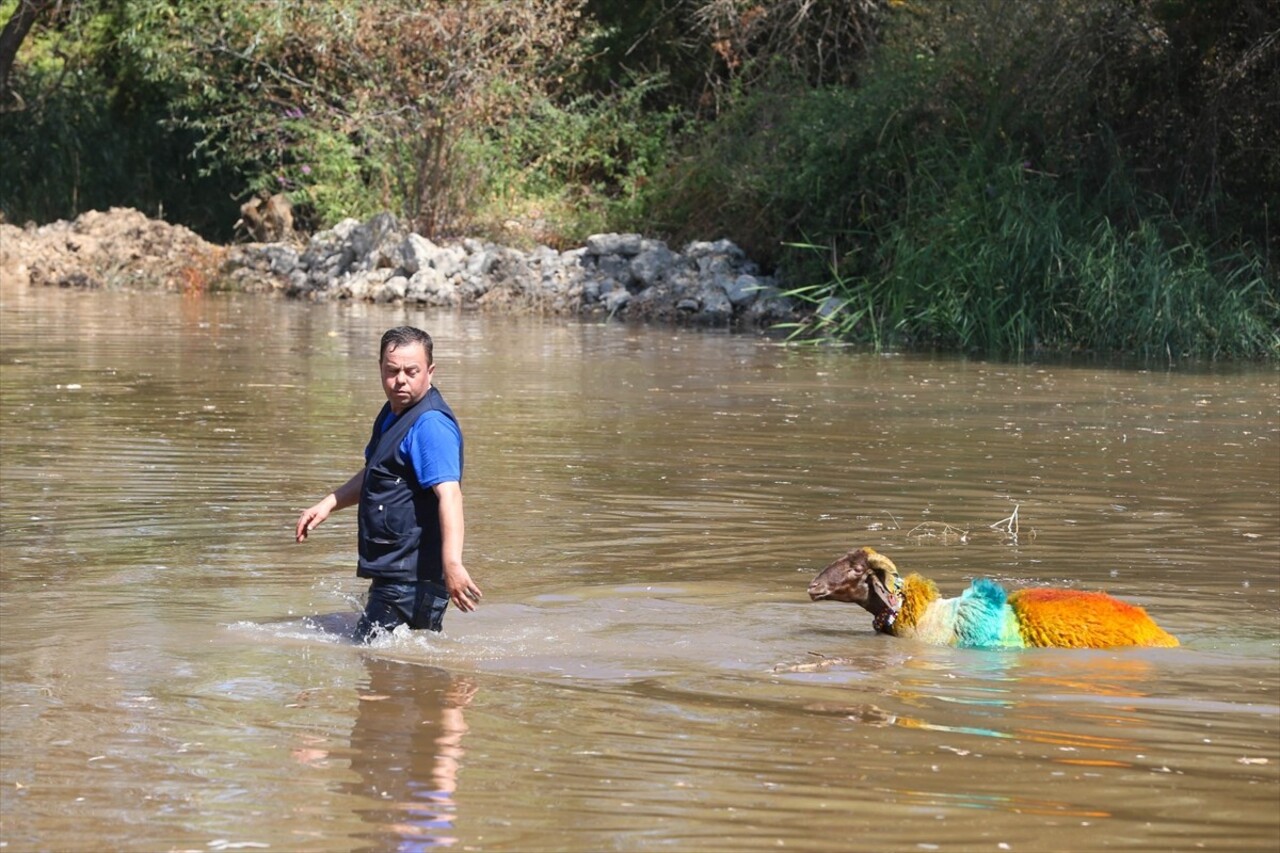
x,y
406,376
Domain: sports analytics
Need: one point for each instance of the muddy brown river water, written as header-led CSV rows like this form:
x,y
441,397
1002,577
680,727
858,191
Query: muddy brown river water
x,y
645,508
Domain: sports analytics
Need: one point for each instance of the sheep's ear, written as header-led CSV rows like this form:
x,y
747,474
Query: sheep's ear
x,y
876,585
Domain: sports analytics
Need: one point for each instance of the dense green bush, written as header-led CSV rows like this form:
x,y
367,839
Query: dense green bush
x,y
999,182
83,129
577,167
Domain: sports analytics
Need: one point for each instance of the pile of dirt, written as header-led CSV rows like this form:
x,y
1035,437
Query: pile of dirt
x,y
120,248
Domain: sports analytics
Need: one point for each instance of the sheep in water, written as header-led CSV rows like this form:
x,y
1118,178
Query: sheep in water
x,y
984,615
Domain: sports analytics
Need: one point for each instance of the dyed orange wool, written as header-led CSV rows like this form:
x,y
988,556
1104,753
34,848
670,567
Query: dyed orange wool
x,y
1074,619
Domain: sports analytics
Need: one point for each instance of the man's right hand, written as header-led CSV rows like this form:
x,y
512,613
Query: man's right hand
x,y
311,518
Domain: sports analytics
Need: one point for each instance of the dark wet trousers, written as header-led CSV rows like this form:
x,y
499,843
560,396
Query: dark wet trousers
x,y
418,604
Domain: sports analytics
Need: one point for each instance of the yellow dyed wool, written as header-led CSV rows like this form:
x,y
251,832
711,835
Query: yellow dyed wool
x,y
1073,619
918,592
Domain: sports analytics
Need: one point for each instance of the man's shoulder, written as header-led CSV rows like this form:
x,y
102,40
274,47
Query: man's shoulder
x,y
433,423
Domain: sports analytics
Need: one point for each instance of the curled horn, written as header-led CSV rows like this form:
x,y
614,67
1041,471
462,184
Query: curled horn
x,y
886,569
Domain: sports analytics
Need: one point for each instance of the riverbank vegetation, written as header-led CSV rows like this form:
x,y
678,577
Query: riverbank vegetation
x,y
978,175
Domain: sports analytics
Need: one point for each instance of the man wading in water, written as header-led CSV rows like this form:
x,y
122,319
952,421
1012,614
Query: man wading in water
x,y
410,498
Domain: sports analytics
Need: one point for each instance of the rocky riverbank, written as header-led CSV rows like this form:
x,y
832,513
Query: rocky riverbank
x,y
627,276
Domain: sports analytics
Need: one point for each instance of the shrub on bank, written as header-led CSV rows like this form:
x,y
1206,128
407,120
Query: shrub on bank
x,y
999,181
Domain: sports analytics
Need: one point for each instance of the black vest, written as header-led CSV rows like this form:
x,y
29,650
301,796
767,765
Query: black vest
x,y
400,535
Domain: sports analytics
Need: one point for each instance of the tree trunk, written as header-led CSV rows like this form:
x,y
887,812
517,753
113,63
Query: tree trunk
x,y
15,30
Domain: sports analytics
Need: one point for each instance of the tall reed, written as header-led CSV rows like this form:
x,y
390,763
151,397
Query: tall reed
x,y
986,254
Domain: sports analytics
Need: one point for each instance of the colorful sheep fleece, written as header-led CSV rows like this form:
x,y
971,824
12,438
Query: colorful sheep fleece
x,y
984,615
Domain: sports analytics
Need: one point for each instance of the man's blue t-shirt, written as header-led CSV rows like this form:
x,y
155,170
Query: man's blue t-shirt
x,y
432,447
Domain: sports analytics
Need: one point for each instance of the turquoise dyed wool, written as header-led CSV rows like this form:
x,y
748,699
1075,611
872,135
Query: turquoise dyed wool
x,y
983,617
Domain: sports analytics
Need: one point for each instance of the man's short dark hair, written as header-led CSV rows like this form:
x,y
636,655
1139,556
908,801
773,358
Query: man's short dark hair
x,y
404,336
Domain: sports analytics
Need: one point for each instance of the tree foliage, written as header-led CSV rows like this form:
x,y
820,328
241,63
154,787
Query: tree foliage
x,y
357,107
349,107
707,49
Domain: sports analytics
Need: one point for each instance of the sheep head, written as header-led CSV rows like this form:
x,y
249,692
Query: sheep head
x,y
864,577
